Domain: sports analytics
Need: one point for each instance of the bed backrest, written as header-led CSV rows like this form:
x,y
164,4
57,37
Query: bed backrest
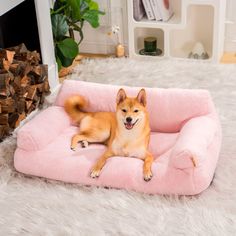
x,y
169,109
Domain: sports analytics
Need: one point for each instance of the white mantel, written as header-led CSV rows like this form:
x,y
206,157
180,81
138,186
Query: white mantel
x,y
7,5
45,34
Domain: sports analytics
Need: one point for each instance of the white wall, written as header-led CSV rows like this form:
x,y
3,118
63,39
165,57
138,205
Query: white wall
x,y
230,29
97,41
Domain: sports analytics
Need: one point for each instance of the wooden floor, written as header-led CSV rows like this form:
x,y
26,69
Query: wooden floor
x,y
228,58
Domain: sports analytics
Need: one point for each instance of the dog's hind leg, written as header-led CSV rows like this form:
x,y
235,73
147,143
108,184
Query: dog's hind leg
x,y
85,139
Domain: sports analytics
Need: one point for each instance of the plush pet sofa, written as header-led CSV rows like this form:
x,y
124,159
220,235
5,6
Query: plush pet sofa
x,y
185,141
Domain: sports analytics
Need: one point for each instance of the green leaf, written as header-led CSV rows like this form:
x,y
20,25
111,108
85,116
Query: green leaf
x,y
68,47
84,6
75,9
59,64
65,61
93,5
59,26
92,17
59,4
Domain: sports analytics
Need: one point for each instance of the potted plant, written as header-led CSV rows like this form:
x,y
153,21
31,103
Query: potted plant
x,y
68,16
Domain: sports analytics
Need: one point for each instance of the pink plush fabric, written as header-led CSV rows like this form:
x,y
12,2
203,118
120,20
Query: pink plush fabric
x,y
185,142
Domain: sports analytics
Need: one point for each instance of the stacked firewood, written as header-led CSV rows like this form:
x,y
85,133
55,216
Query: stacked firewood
x,y
23,86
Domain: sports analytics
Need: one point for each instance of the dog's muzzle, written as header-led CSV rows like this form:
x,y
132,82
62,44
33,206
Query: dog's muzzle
x,y
130,125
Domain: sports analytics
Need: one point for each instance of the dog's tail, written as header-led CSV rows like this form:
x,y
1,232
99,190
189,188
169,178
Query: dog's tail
x,y
74,107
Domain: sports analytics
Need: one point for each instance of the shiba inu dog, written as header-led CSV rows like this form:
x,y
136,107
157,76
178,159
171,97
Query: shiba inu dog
x,y
126,132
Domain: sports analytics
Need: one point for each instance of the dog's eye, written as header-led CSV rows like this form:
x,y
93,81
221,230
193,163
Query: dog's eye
x,y
124,110
136,111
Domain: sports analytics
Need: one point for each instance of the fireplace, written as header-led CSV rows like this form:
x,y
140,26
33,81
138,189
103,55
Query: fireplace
x,y
24,79
28,22
19,25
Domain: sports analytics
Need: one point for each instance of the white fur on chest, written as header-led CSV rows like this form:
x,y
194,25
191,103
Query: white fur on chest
x,y
126,145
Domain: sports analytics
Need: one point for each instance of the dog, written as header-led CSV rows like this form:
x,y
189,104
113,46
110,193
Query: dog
x,y
125,132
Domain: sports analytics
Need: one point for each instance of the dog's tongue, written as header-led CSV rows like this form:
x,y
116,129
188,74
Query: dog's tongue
x,y
128,126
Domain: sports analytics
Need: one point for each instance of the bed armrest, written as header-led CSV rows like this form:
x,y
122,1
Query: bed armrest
x,y
191,146
42,129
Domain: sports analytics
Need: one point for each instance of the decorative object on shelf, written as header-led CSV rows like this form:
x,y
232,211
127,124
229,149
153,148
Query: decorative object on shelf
x,y
139,11
156,10
67,17
198,52
192,21
120,49
148,9
150,47
165,9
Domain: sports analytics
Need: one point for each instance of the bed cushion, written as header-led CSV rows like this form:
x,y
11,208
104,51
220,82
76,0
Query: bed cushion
x,y
185,145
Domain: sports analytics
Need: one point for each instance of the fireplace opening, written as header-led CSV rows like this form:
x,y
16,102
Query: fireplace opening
x,y
19,25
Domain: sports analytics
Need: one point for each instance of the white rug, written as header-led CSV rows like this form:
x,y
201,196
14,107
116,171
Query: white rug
x,y
34,206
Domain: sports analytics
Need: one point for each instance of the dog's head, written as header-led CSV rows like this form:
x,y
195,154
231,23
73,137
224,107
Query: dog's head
x,y
131,112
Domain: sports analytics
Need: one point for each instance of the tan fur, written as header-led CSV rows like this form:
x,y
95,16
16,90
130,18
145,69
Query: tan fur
x,y
110,128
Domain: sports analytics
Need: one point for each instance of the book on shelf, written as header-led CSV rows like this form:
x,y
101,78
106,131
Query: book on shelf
x,y
165,9
148,9
155,9
139,11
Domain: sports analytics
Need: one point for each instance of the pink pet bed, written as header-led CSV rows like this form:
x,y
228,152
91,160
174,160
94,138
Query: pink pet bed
x,y
185,141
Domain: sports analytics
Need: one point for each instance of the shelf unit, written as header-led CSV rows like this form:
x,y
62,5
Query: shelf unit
x,y
193,21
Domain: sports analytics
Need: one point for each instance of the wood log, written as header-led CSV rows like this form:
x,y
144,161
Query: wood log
x,y
8,105
21,105
4,84
23,85
3,119
19,48
20,68
7,55
31,92
5,64
12,119
31,108
28,104
4,131
20,118
32,58
46,87
2,70
25,81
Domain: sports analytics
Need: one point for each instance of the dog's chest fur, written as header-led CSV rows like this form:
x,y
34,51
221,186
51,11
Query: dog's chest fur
x,y
128,144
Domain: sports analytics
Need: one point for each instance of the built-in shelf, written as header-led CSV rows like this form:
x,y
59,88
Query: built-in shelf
x,y
193,21
141,33
199,28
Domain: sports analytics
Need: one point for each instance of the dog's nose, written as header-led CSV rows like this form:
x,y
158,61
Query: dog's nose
x,y
128,119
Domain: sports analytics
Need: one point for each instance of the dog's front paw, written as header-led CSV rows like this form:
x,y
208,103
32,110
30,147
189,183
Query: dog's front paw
x,y
95,173
147,176
72,148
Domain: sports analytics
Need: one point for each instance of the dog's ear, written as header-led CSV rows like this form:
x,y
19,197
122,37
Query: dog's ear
x,y
141,97
121,96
